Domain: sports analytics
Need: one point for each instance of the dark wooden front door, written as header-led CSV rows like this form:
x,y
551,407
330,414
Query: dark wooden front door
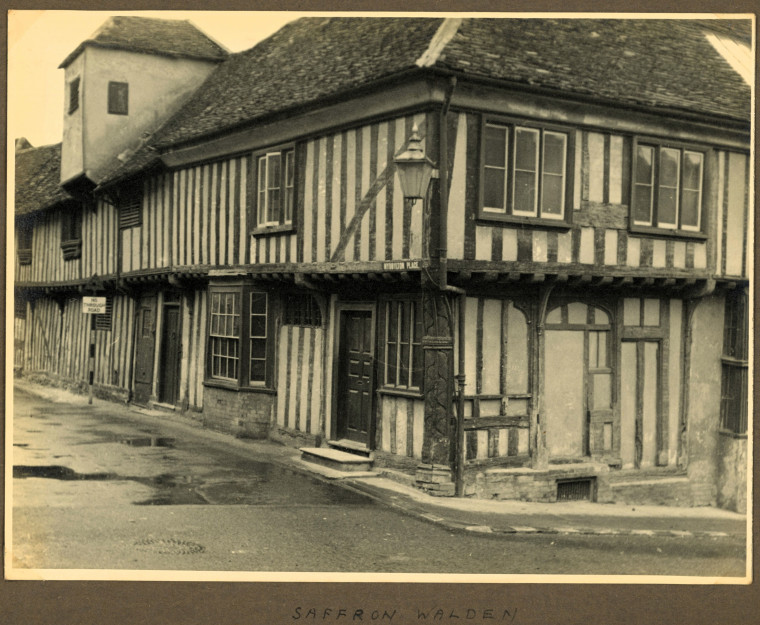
x,y
145,334
355,368
171,350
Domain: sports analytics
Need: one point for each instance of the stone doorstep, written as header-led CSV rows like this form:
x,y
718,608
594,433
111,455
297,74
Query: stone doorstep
x,y
335,459
352,447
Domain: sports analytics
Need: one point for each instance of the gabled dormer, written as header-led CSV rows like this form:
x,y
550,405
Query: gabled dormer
x,y
121,84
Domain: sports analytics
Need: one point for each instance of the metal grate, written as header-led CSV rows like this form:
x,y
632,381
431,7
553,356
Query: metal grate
x,y
575,490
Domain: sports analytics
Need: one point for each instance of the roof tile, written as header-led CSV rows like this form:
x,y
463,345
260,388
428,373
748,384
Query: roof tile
x,y
38,177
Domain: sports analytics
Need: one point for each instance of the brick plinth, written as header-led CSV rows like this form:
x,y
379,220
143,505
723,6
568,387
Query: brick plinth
x,y
526,484
245,415
435,479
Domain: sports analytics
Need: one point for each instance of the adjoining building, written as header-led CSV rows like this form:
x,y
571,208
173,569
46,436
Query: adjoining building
x,y
560,311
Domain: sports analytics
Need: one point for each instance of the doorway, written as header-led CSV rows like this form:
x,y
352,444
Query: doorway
x,y
355,375
145,346
171,351
578,382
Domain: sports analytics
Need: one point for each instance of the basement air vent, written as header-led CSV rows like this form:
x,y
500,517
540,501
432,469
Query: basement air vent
x,y
575,490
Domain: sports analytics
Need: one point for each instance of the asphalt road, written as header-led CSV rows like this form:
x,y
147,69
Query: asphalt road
x,y
97,489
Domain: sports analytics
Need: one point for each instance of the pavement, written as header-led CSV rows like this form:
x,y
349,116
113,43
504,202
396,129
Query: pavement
x,y
395,490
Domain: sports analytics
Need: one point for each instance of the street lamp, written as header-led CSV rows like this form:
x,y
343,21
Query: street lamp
x,y
414,168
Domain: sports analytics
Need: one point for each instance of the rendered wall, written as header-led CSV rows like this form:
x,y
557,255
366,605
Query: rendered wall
x,y
703,416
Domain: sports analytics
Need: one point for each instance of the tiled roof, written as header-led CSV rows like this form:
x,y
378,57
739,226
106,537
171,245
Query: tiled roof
x,y
179,38
656,63
306,60
38,177
666,64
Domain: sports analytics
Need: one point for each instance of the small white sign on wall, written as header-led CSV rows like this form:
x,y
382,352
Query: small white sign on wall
x,y
93,305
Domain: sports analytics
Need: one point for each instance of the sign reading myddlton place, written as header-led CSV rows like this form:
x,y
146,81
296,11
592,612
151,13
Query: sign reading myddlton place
x,y
93,305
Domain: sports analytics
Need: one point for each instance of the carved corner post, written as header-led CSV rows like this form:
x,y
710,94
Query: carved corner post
x,y
539,453
434,474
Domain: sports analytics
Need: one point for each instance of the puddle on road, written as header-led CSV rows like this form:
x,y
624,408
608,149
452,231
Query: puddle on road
x,y
56,472
258,484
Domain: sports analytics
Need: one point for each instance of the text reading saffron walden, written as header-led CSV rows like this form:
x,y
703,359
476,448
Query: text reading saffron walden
x,y
433,614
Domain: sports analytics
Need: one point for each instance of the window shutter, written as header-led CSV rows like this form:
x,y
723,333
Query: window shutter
x,y
103,322
130,214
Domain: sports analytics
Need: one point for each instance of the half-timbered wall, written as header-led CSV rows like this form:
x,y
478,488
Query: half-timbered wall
x,y
62,336
349,207
498,392
99,231
599,234
19,341
194,331
732,215
400,425
47,263
651,332
300,379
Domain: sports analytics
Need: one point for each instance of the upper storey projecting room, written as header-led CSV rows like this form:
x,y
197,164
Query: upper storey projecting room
x,y
121,84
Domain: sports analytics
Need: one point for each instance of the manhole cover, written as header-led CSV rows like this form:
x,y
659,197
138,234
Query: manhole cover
x,y
172,546
148,441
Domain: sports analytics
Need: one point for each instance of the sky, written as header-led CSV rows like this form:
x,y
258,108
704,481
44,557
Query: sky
x,y
39,40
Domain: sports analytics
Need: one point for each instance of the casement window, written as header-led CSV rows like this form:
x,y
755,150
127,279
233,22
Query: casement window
x,y
104,321
71,232
667,187
301,310
240,346
24,236
734,391
118,98
275,188
73,95
130,208
525,172
403,345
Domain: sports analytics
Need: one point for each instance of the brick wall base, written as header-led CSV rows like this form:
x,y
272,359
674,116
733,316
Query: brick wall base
x,y
525,484
80,387
245,415
435,479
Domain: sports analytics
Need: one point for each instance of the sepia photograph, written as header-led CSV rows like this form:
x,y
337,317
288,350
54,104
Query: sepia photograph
x,y
380,297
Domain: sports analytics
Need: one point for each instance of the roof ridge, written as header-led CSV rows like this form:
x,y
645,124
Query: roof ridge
x,y
439,41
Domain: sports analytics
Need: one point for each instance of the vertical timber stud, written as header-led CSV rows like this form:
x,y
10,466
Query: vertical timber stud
x,y
539,455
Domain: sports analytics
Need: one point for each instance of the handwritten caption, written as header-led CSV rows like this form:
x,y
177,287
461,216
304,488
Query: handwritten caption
x,y
434,614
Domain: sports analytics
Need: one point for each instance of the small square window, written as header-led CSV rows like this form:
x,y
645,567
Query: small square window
x,y
118,98
73,95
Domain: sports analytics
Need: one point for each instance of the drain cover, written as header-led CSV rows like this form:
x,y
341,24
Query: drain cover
x,y
148,441
172,546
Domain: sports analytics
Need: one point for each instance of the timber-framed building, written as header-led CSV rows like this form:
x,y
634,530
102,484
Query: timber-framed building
x,y
563,314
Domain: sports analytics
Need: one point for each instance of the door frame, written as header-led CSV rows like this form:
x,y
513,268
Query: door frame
x,y
340,308
136,330
158,382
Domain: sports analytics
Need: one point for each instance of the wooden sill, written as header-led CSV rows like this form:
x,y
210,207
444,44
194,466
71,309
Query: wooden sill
x,y
495,219
667,233
396,392
235,388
